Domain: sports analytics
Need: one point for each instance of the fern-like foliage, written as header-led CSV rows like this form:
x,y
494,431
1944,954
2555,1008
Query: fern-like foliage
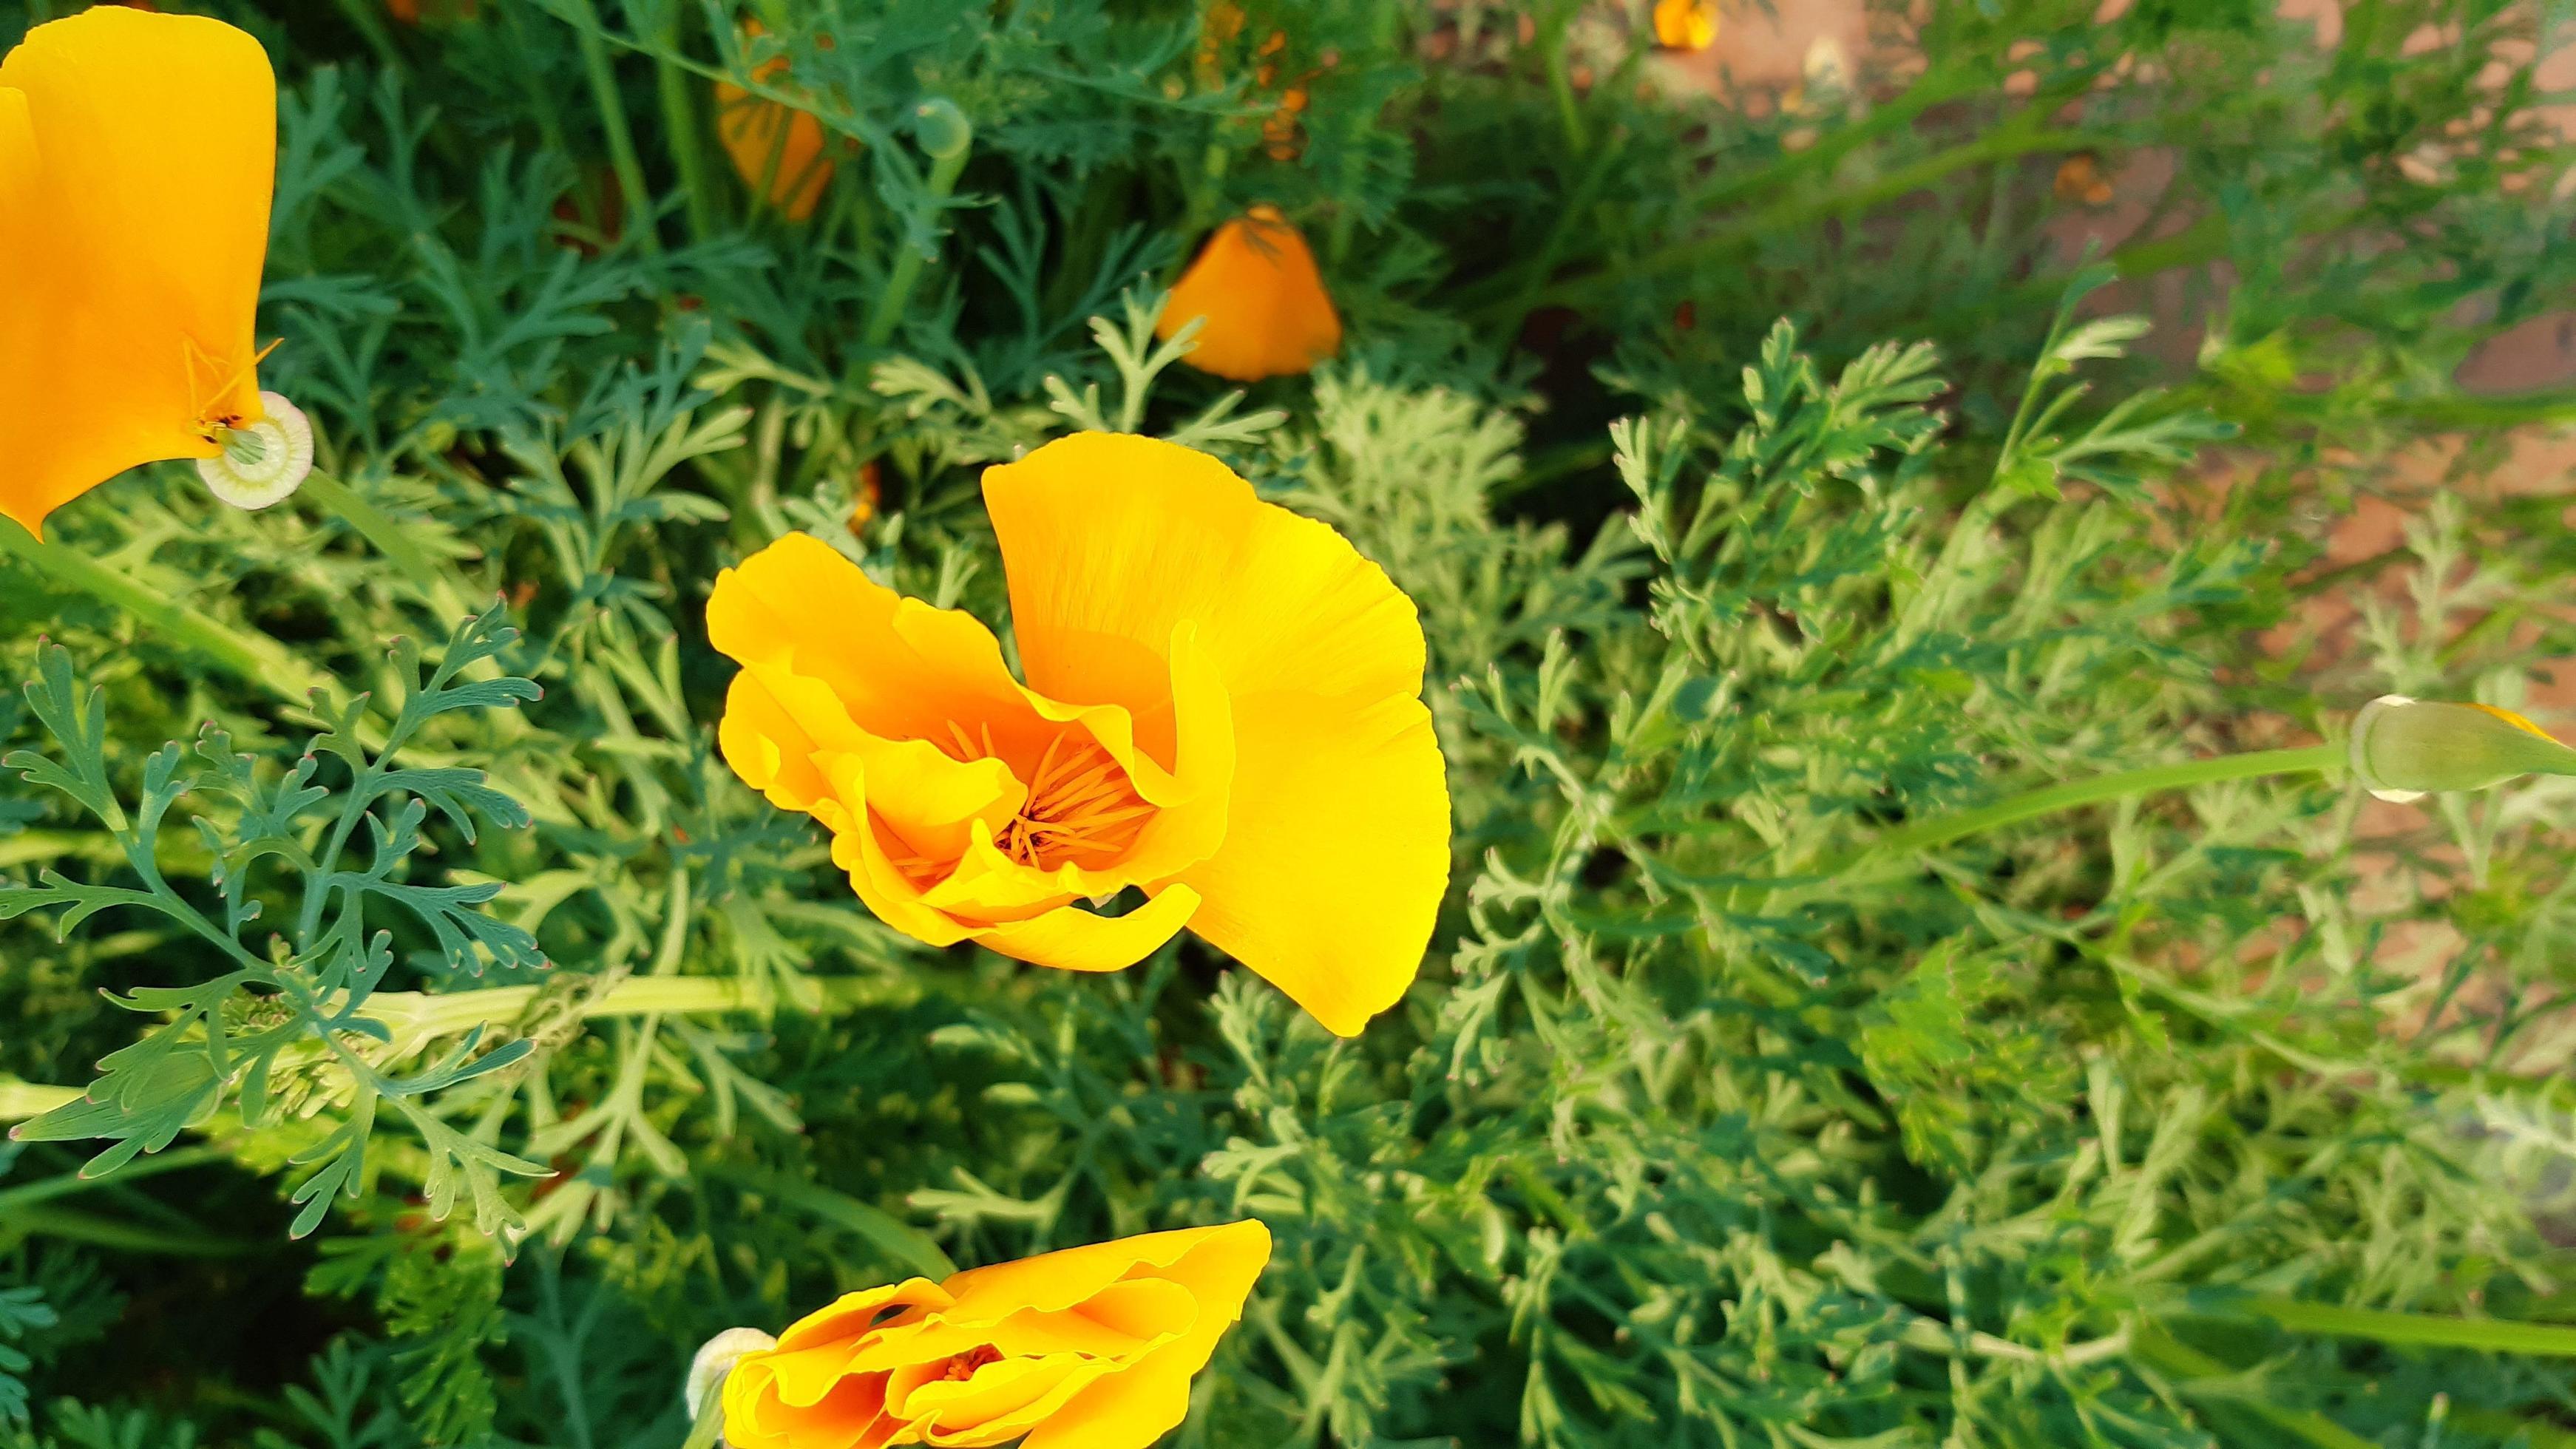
x,y
286,1029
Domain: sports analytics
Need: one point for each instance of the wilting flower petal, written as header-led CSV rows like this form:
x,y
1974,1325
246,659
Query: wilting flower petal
x,y
778,151
1265,309
1222,709
137,156
1090,1348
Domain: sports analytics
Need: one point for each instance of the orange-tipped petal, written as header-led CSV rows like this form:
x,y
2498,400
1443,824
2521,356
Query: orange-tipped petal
x,y
137,157
902,669
1132,1409
1265,308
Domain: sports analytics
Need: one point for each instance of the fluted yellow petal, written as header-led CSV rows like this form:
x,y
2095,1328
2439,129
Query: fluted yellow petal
x,y
1070,938
138,153
902,669
1336,851
1111,541
1133,1408
1090,1348
881,884
1062,1279
1128,1410
1685,24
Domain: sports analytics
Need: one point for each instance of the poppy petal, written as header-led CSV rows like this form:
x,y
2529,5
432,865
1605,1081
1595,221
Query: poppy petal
x,y
148,145
1336,851
1111,541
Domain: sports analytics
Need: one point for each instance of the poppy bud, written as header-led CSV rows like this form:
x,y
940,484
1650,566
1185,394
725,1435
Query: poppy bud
x,y
2403,748
716,1359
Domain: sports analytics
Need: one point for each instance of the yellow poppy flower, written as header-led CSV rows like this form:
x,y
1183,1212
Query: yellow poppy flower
x,y
1090,1348
1222,708
778,151
1266,309
137,155
1685,24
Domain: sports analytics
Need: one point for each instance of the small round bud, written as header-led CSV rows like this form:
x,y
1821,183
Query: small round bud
x,y
264,463
942,128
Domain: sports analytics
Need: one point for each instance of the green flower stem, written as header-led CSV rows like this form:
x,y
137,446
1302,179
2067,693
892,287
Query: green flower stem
x,y
2004,144
422,1018
389,538
2380,1325
252,658
612,117
2152,1348
16,1200
452,1012
703,1434
1560,85
1925,834
908,261
680,126
118,1234
22,1100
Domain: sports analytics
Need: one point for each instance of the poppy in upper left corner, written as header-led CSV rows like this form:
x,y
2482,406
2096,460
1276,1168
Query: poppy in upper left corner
x,y
138,152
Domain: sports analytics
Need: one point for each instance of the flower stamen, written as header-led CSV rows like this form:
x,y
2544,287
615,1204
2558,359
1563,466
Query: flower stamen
x,y
962,1366
1080,807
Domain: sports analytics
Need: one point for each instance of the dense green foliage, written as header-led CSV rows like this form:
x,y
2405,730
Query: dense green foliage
x,y
492,1046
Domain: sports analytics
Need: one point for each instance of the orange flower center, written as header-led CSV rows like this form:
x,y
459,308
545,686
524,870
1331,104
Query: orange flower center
x,y
962,1366
1081,808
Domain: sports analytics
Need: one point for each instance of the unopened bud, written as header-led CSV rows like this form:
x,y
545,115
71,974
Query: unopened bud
x,y
942,129
2403,748
707,1371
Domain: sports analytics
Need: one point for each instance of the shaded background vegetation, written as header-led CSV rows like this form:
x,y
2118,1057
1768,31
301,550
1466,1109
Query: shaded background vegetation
x,y
2224,1118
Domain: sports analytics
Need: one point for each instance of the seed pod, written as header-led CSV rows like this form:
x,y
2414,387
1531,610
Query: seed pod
x,y
264,463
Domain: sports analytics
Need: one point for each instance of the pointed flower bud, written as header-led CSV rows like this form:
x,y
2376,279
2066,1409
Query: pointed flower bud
x,y
2403,748
716,1359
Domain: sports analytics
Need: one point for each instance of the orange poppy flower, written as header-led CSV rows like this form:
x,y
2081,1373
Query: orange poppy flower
x,y
137,155
1266,309
1685,24
1222,708
778,151
1090,1348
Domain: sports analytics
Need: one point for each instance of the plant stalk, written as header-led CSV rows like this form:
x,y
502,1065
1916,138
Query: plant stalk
x,y
612,117
1926,834
909,260
376,527
680,125
254,659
